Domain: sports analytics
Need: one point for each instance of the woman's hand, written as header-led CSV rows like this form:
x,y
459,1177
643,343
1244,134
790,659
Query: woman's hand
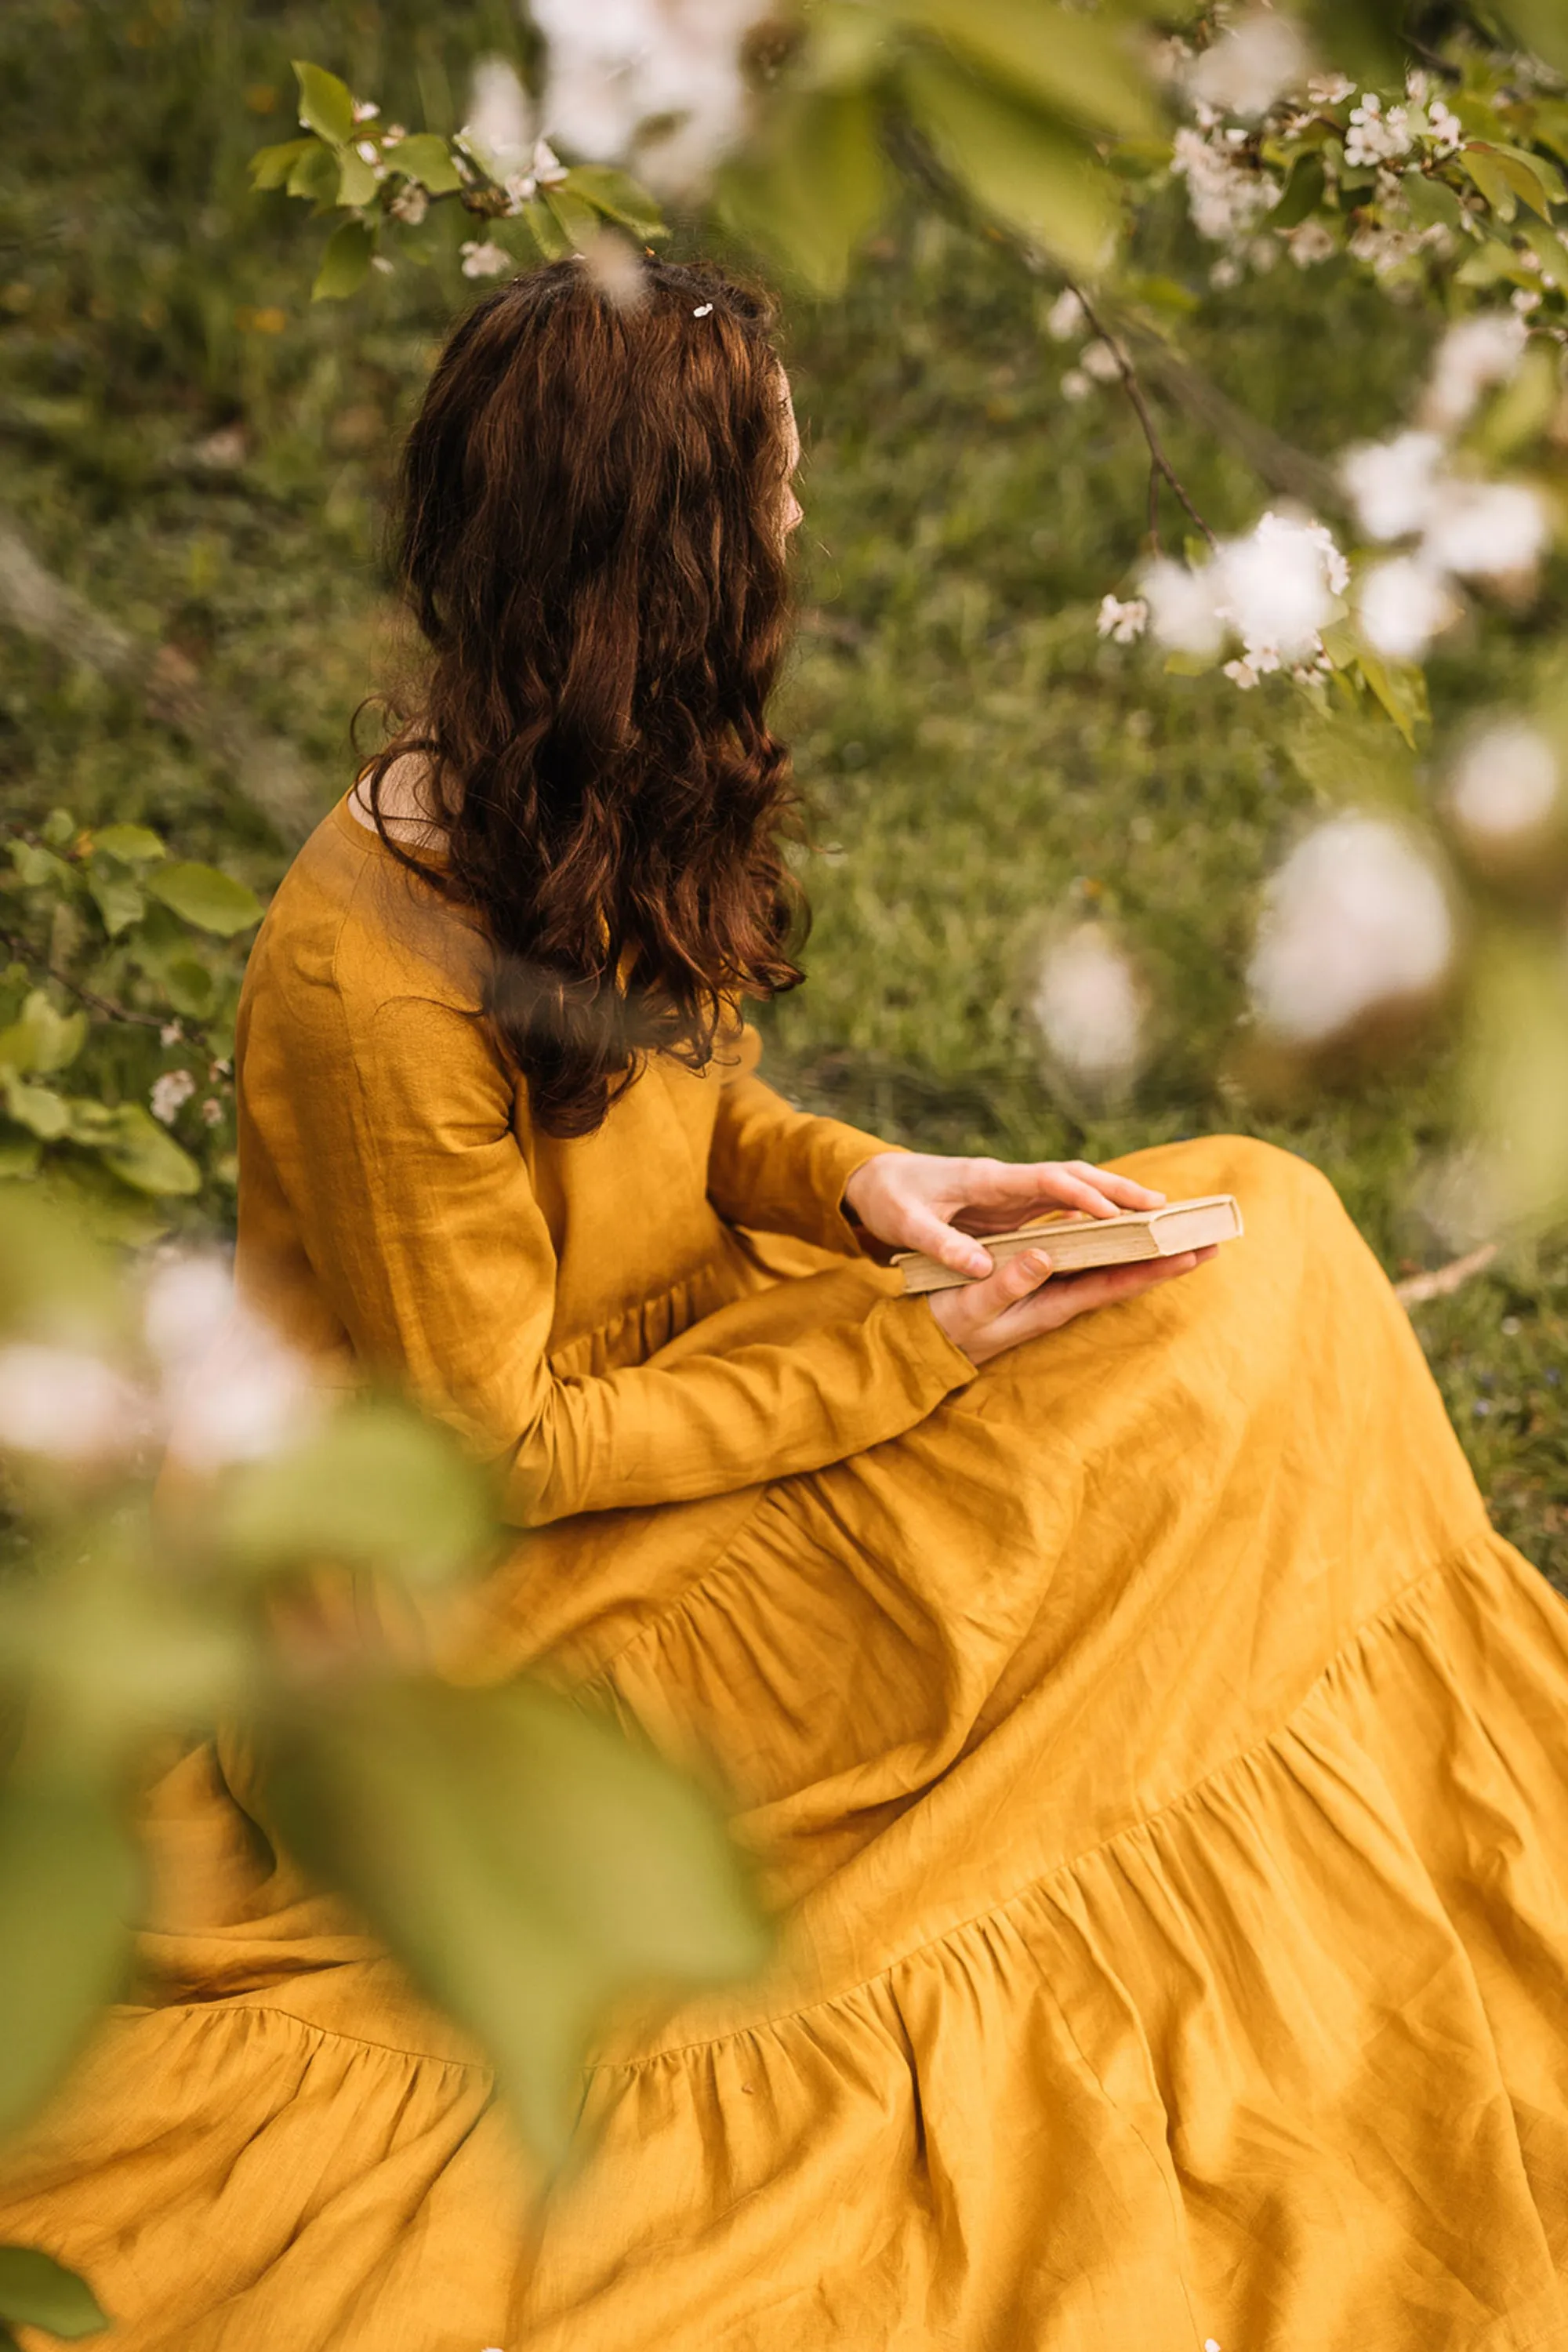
x,y
921,1201
1019,1302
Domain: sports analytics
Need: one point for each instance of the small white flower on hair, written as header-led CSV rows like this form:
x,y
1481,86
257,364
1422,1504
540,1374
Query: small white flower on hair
x,y
170,1093
1403,604
1066,317
1487,530
1507,783
1183,608
1087,1001
67,1405
1124,623
703,311
1392,483
485,261
1356,917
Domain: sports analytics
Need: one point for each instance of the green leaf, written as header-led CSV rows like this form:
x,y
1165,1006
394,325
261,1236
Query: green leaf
x,y
270,166
68,1886
1433,202
36,2292
424,157
1526,181
524,1862
1485,171
133,844
200,894
1071,65
545,230
345,265
1493,264
1303,193
357,183
1549,250
1015,164
1400,688
40,869
41,1039
144,1155
44,1113
19,1156
1517,1070
315,175
577,221
817,189
325,103
118,900
1524,408
188,986
378,1487
618,197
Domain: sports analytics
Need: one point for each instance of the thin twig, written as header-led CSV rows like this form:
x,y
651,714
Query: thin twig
x,y
1154,508
108,1006
1444,1280
1140,409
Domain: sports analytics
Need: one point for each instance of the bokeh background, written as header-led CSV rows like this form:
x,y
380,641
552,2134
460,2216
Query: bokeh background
x,y
193,466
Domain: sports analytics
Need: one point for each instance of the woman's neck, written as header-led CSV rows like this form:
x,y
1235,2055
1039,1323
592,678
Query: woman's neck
x,y
408,805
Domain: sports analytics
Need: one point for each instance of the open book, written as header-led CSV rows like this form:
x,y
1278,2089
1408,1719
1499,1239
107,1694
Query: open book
x,y
1073,1241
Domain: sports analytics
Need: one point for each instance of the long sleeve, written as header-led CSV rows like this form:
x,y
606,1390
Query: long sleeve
x,y
780,1170
424,1229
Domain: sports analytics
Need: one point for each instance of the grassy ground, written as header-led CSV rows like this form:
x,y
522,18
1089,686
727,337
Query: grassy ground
x,y
978,762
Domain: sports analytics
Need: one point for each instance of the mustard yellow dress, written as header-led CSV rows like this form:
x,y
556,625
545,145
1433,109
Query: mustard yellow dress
x,y
1165,1760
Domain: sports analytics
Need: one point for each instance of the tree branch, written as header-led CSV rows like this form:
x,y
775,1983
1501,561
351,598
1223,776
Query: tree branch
x,y
108,1006
1131,384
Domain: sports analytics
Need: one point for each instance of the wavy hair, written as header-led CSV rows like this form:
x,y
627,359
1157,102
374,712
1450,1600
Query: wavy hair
x,y
591,542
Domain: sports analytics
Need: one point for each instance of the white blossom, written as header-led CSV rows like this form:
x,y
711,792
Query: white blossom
x,y
365,109
1226,196
1183,608
1100,360
1277,589
1392,483
410,204
1486,531
1356,917
1403,604
1087,1001
1124,623
1241,674
1331,89
499,127
618,66
1506,784
67,1404
485,261
1067,316
1472,357
1444,128
231,1390
1076,385
1310,243
212,1112
170,1093
1250,66
616,269
1374,137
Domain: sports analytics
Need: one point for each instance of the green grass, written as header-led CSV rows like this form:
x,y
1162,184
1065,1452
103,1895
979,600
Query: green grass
x,y
978,762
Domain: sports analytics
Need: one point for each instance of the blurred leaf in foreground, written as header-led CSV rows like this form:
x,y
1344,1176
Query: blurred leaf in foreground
x,y
525,1862
36,2292
69,1888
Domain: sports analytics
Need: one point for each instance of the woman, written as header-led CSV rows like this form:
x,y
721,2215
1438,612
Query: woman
x,y
1161,1755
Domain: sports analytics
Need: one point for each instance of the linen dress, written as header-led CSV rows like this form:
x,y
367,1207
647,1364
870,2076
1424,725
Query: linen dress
x,y
1163,1757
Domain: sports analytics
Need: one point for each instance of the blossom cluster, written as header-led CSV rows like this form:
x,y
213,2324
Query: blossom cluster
x,y
1455,526
1277,590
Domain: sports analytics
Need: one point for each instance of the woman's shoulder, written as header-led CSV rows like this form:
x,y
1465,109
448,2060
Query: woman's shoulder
x,y
351,918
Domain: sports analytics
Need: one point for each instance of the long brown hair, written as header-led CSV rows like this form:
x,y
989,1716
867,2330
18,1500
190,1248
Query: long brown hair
x,y
591,542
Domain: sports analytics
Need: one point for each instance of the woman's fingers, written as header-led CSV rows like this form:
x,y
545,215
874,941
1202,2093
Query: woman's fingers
x,y
924,1230
1080,1294
1024,1190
